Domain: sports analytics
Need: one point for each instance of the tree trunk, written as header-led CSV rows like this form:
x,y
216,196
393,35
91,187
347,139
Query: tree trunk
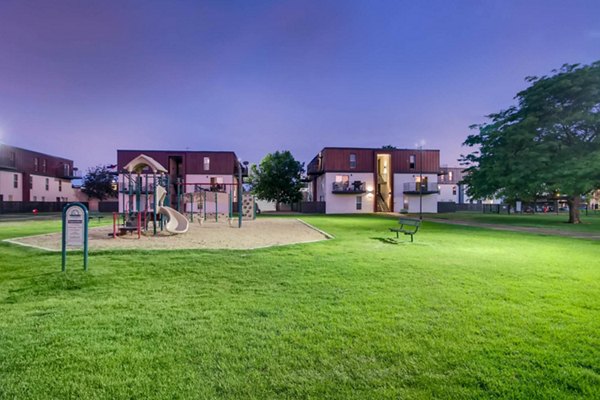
x,y
574,202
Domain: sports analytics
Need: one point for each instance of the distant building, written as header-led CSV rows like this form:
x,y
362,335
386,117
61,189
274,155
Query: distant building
x,y
27,175
451,190
366,180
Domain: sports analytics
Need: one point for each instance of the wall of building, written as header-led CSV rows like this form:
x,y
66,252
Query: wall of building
x,y
58,189
410,202
266,206
346,203
221,162
320,195
449,192
7,189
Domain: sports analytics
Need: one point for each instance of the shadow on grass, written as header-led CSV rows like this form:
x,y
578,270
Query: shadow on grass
x,y
387,240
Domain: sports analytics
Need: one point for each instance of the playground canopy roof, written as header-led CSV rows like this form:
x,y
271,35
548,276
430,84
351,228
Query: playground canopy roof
x,y
142,161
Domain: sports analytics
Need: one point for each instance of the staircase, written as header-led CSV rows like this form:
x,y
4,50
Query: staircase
x,y
381,204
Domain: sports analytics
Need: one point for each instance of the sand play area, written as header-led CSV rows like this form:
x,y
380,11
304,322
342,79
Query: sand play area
x,y
264,232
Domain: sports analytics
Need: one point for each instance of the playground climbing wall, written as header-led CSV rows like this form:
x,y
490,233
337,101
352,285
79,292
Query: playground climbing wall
x,y
248,206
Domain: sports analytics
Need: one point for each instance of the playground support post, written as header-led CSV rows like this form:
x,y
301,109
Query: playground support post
x,y
216,207
115,225
230,205
240,189
155,204
139,224
130,199
138,193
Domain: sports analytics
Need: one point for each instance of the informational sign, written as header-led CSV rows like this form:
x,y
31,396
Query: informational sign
x,y
74,231
75,226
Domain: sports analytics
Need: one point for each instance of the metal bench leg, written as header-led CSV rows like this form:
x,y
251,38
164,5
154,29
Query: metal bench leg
x,y
411,238
397,235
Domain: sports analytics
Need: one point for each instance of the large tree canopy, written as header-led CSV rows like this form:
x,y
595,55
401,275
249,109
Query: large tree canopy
x,y
278,178
99,183
547,144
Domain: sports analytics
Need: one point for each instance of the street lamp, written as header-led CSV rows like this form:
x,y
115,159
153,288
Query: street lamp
x,y
420,145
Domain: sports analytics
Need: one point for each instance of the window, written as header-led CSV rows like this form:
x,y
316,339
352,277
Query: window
x,y
454,190
67,169
34,198
342,179
412,161
43,198
352,160
16,181
206,163
10,198
342,182
43,165
450,175
60,186
30,182
47,184
12,159
359,202
36,163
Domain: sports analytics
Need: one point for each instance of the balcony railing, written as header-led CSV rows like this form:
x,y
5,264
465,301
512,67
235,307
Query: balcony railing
x,y
7,163
67,173
313,168
424,188
348,188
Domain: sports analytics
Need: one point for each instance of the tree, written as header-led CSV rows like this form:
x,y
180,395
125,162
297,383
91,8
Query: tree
x,y
278,178
99,183
545,145
388,147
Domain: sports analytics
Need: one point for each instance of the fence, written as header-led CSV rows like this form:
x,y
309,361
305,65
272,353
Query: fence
x,y
8,207
108,206
450,206
309,207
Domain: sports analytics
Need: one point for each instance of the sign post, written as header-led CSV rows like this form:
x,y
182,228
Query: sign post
x,y
74,231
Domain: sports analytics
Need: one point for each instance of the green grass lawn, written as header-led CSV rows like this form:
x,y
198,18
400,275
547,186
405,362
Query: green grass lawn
x,y
461,313
590,223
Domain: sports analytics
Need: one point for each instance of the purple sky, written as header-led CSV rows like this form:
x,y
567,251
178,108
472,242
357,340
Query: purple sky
x,y
80,79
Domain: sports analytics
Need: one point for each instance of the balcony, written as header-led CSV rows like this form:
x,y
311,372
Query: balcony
x,y
67,173
417,188
313,168
7,163
356,187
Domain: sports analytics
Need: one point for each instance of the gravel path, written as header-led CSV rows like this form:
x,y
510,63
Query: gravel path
x,y
209,235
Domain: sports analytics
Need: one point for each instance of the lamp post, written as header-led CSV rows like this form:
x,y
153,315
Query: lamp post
x,y
421,181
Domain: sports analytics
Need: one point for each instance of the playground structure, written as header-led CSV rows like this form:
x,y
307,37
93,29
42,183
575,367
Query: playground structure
x,y
146,193
203,202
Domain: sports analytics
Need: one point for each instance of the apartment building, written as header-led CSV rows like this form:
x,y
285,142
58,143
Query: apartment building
x,y
27,175
366,180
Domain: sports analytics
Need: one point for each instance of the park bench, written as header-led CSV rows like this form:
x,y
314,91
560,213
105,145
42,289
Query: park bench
x,y
97,216
407,226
